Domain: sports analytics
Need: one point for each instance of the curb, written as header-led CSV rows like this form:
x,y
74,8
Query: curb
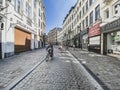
x,y
19,79
93,81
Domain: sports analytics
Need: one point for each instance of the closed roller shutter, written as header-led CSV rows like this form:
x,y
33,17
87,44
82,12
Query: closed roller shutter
x,y
22,40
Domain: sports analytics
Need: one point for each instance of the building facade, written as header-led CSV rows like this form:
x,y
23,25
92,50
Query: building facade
x,y
24,26
94,25
110,27
52,35
82,18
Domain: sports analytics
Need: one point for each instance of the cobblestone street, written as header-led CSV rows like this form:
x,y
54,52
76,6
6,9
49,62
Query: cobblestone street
x,y
105,69
14,67
64,72
61,73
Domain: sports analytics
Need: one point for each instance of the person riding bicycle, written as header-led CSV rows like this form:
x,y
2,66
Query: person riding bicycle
x,y
49,49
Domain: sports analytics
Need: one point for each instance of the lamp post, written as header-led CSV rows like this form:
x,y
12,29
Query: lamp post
x,y
79,37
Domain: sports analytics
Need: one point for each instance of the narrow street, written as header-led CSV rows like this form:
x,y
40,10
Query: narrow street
x,y
62,73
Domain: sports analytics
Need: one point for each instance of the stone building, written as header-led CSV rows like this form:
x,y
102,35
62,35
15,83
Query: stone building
x,y
52,35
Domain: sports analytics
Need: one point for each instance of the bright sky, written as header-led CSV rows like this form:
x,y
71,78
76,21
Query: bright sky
x,y
56,10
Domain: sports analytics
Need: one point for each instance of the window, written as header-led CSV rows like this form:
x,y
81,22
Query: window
x,y
35,3
90,2
39,11
107,13
28,10
72,25
86,5
80,4
72,17
1,2
117,9
80,14
80,26
83,24
91,18
86,21
18,5
39,22
97,12
83,10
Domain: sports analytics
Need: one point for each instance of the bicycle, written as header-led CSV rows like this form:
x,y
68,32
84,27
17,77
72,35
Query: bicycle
x,y
49,55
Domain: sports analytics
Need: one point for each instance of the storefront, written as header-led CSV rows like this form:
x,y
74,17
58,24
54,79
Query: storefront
x,y
22,40
94,38
77,41
111,37
84,39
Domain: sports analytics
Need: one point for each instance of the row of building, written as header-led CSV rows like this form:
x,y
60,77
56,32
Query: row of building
x,y
53,35
22,26
93,25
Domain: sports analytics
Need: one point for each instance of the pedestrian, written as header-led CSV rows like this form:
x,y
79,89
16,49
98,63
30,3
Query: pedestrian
x,y
49,49
73,46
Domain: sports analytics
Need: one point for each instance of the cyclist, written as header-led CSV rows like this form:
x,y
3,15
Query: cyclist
x,y
49,49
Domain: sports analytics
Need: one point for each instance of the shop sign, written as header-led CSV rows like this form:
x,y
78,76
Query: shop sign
x,y
94,40
94,30
24,25
110,26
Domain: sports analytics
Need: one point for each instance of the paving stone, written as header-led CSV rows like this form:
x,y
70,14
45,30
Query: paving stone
x,y
106,68
58,74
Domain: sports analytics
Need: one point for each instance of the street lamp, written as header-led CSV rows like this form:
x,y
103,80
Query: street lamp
x,y
79,37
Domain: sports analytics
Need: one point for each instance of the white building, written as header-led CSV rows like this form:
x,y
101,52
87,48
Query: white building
x,y
83,16
24,24
94,25
110,27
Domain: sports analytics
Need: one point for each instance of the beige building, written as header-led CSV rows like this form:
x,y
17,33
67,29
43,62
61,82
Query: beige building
x,y
52,35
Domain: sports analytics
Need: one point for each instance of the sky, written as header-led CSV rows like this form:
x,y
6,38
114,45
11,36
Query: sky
x,y
56,11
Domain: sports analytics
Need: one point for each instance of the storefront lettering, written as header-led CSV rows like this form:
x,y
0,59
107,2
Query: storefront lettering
x,y
23,25
114,24
20,23
94,30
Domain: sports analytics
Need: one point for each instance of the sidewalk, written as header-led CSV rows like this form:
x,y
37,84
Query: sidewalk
x,y
14,67
105,69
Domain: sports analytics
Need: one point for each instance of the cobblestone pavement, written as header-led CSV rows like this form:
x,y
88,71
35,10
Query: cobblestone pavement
x,y
14,67
105,68
61,73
